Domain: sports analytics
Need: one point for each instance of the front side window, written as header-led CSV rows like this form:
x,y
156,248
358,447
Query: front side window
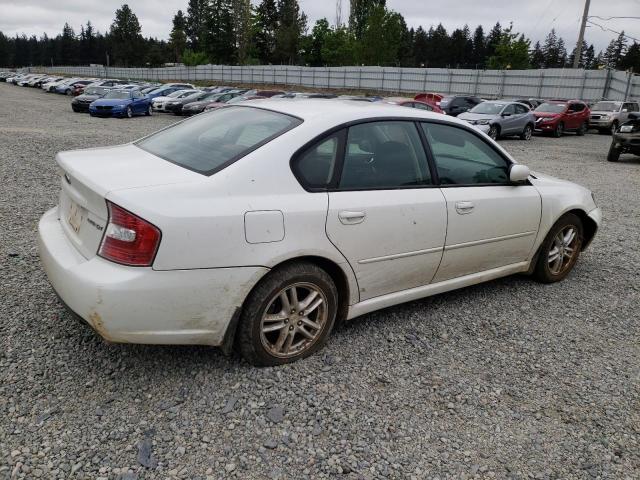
x,y
382,155
463,158
510,110
576,107
208,143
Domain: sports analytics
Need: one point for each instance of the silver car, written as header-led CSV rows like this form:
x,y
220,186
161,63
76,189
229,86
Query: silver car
x,y
606,115
498,118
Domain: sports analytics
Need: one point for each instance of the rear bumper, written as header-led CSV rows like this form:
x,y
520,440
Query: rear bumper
x,y
142,305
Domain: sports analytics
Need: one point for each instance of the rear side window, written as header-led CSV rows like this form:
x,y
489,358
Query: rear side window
x,y
384,155
576,107
315,166
462,158
208,143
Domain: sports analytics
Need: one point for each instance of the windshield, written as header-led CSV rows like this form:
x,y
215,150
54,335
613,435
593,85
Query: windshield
x,y
606,107
551,108
208,143
95,91
488,108
117,94
176,94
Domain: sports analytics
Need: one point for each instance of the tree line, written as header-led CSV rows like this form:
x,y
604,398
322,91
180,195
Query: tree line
x,y
277,32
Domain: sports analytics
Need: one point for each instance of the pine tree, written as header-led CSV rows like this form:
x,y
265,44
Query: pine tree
x,y
631,60
536,56
67,46
589,58
196,26
219,41
178,36
420,47
265,27
242,11
493,39
291,25
479,52
125,36
359,14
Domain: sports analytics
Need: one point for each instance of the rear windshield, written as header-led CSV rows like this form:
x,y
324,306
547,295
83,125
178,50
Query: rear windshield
x,y
208,143
552,108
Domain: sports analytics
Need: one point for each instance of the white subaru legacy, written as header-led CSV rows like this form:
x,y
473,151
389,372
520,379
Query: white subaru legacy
x,y
261,226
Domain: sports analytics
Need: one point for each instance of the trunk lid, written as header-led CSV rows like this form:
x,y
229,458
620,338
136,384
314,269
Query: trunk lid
x,y
88,176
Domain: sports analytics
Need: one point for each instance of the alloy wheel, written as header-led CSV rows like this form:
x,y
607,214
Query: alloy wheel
x,y
528,132
293,320
129,112
563,250
493,132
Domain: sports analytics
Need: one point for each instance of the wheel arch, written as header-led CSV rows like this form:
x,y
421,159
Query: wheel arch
x,y
590,227
335,271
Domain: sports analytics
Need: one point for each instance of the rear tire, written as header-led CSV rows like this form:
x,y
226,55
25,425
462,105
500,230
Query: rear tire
x,y
288,328
582,130
527,133
614,153
560,250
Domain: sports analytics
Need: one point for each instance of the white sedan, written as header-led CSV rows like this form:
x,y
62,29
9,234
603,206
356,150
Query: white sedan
x,y
261,226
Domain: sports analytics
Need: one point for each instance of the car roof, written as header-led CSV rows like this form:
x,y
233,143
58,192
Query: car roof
x,y
338,111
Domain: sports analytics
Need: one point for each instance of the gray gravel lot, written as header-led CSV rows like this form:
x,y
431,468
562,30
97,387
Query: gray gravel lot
x,y
510,379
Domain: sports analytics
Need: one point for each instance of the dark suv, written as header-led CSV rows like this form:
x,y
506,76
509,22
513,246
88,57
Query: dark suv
x,y
454,105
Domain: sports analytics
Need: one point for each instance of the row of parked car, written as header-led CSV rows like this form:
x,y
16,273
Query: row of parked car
x,y
498,118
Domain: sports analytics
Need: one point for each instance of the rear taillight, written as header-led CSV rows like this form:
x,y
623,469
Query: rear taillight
x,y
128,239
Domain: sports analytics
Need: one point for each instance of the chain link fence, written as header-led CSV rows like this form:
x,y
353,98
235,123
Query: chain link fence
x,y
546,83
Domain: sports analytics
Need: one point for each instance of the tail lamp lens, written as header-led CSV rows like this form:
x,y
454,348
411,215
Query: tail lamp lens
x,y
128,239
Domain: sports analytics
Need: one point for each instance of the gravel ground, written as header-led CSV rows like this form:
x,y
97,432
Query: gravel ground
x,y
510,379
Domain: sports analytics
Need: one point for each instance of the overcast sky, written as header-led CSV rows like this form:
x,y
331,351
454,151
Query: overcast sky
x,y
533,17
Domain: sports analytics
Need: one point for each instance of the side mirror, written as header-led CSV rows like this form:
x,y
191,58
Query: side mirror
x,y
624,110
518,173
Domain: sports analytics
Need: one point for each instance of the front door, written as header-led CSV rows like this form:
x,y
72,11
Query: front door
x,y
491,223
385,215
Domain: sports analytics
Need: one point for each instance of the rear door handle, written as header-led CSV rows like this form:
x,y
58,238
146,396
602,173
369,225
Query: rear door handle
x,y
348,217
464,207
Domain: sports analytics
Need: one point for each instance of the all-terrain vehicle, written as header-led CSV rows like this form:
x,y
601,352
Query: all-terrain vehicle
x,y
626,138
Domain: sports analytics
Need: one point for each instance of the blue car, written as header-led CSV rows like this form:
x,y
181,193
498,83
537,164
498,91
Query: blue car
x,y
121,103
162,92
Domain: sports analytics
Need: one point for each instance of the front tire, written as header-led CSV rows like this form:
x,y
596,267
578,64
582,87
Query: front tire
x,y
129,112
560,250
527,132
149,111
494,132
614,153
288,316
559,130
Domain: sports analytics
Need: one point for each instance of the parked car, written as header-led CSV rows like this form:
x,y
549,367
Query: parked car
x,y
454,105
412,103
51,87
158,103
110,82
262,226
91,94
68,88
164,92
498,118
532,103
626,139
175,105
121,103
209,102
430,97
263,93
607,115
559,116
183,86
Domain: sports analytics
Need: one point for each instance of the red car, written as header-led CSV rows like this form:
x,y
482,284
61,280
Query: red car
x,y
559,116
429,97
410,102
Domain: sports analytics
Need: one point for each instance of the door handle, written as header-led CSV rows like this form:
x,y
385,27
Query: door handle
x,y
351,218
464,207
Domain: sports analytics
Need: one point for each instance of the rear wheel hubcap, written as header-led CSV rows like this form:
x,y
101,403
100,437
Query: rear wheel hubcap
x,y
293,320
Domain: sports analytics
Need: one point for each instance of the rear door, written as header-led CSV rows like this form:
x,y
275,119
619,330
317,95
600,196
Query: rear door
x,y
509,120
491,223
385,214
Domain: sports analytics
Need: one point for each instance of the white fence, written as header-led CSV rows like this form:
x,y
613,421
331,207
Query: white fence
x,y
549,83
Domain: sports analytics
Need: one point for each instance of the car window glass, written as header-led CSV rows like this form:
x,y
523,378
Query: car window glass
x,y
316,165
520,109
384,155
510,109
462,158
209,142
421,106
576,107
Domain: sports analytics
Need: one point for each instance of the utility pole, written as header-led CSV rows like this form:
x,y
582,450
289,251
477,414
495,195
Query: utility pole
x,y
583,25
338,14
